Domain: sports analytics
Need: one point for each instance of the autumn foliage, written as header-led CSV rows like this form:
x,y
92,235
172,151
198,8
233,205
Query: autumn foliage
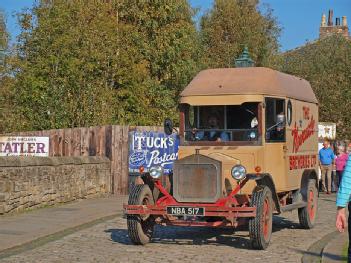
x,y
87,63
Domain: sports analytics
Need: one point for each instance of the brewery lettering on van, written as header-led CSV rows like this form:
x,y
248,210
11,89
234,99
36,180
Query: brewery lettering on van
x,y
302,161
300,138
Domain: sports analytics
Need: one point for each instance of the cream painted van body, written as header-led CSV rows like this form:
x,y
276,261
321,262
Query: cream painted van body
x,y
284,161
256,125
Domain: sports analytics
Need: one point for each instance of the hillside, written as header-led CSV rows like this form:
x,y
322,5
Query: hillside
x,y
326,64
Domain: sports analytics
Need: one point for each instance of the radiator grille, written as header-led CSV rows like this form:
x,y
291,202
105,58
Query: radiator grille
x,y
197,182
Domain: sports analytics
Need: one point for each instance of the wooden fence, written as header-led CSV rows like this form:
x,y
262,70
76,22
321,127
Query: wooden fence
x,y
110,141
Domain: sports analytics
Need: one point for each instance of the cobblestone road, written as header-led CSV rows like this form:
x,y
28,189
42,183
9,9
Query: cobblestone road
x,y
108,242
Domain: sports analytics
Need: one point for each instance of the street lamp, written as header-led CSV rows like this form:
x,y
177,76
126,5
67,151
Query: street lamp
x,y
244,60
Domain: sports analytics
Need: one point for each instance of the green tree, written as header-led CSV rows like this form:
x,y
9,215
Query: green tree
x,y
232,24
326,64
3,42
170,43
83,63
3,37
5,80
65,54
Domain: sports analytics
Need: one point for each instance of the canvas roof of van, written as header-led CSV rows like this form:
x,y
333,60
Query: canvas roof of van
x,y
251,80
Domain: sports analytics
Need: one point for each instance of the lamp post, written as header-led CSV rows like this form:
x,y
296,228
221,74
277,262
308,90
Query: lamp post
x,y
244,60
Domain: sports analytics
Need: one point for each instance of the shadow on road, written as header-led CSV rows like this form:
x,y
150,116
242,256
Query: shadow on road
x,y
335,257
280,223
188,236
317,256
238,238
119,236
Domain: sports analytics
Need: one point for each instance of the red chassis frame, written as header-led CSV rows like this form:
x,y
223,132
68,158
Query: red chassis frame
x,y
231,208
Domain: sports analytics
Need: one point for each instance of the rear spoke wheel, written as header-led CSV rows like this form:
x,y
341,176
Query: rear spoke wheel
x,y
307,214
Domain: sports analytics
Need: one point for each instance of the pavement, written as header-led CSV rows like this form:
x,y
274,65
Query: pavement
x,y
93,230
18,230
332,252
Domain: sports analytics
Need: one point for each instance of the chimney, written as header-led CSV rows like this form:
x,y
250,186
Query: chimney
x,y
323,22
337,21
344,21
330,17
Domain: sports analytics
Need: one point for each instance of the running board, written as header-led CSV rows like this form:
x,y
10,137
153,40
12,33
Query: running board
x,y
293,206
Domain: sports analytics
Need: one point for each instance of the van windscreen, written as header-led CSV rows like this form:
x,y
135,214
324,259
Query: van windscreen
x,y
222,122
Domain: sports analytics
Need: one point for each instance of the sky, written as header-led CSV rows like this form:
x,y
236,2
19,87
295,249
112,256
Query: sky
x,y
299,19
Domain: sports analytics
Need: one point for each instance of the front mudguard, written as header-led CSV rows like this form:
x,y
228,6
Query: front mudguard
x,y
265,179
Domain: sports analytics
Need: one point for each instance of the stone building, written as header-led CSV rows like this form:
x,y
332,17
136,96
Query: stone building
x,y
327,27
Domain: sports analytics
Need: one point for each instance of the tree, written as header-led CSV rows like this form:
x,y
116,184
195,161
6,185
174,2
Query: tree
x,y
3,37
5,80
83,63
65,54
170,43
232,24
326,64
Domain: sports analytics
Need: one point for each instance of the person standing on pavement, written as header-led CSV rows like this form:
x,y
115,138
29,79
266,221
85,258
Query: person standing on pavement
x,y
348,150
342,199
326,162
340,162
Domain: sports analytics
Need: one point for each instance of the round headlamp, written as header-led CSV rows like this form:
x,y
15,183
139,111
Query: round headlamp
x,y
156,172
238,172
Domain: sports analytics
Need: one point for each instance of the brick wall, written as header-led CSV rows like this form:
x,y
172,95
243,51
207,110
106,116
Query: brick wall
x,y
30,182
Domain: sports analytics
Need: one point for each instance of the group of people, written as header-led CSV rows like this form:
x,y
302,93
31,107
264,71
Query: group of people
x,y
332,166
342,163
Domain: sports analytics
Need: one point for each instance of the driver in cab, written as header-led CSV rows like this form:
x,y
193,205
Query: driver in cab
x,y
212,133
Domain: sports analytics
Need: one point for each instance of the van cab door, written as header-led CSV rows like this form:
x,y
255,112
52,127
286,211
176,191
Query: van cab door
x,y
275,150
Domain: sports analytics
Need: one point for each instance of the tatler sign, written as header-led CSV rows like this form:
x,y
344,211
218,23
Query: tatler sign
x,y
24,146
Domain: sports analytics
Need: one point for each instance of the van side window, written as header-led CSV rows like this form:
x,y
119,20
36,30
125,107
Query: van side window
x,y
275,120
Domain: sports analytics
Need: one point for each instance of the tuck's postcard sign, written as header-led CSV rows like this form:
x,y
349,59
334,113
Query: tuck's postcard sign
x,y
24,146
151,149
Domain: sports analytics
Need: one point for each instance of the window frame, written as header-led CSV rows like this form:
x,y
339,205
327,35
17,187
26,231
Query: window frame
x,y
268,140
183,127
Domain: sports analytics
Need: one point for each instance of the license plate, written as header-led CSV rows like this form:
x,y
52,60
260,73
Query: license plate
x,y
185,211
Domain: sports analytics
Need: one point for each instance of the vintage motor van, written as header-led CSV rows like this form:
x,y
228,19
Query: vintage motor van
x,y
248,150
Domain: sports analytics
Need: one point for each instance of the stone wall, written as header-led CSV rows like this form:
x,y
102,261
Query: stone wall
x,y
30,182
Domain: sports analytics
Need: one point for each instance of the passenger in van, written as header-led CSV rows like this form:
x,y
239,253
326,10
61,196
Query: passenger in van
x,y
277,132
254,122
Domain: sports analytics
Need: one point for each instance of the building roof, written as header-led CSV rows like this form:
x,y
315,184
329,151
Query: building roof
x,y
249,81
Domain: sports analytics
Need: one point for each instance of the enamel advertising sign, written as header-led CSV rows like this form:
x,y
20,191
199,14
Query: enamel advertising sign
x,y
327,130
24,146
150,149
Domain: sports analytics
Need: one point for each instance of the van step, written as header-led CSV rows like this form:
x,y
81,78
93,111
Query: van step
x,y
293,206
